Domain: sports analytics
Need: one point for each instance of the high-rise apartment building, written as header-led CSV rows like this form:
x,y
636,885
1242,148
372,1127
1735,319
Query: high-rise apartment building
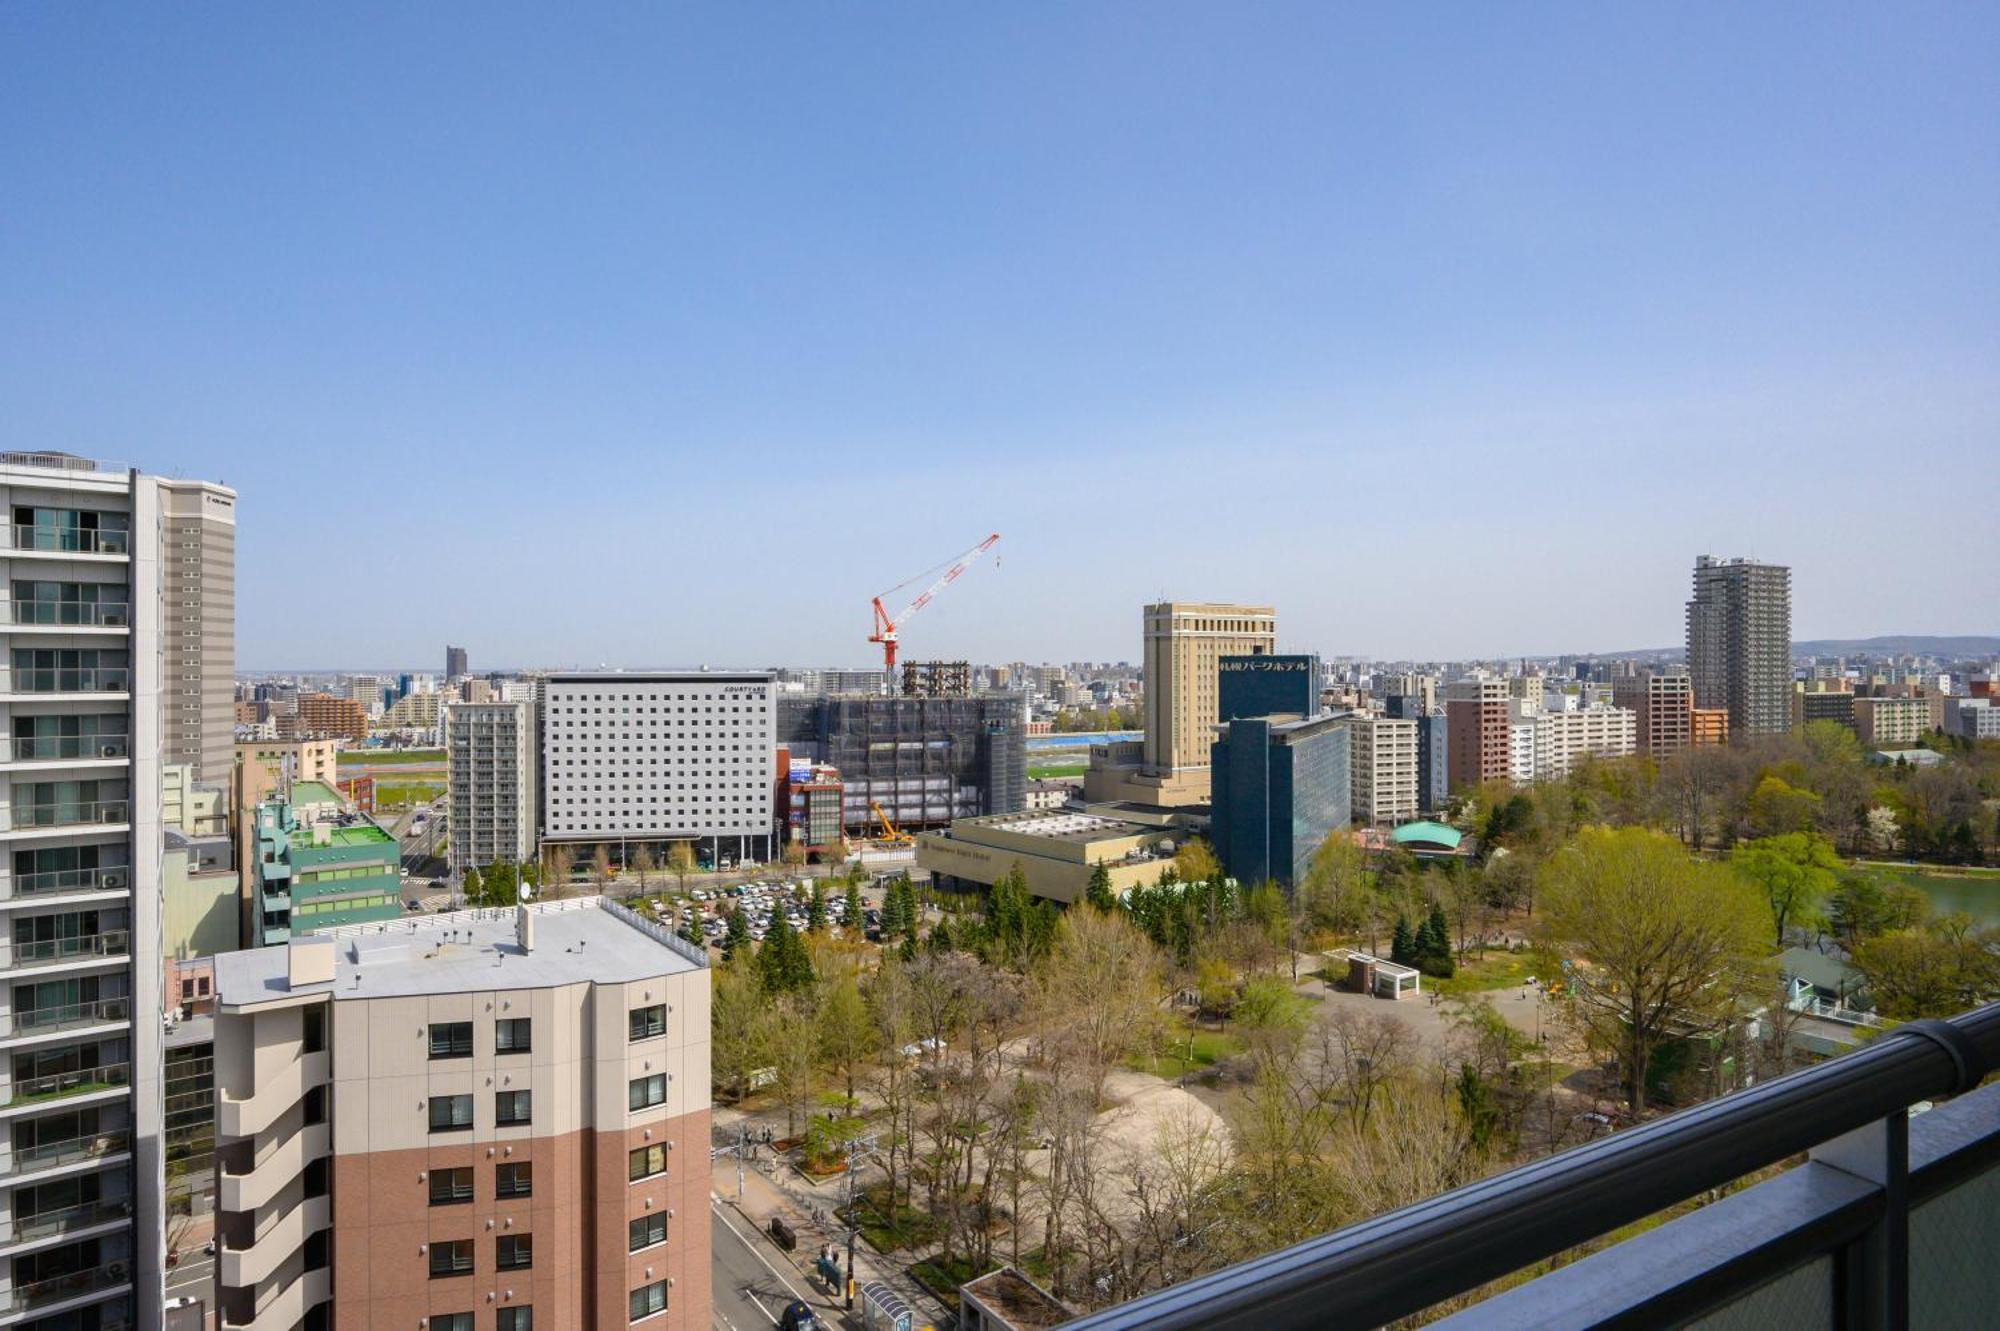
x,y
491,1119
1385,769
490,781
455,666
324,715
1662,707
1433,754
1561,739
1478,747
1739,643
659,757
94,651
198,631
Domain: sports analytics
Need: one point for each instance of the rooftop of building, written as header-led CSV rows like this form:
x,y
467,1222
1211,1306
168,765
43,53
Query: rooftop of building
x,y
1058,825
699,675
578,939
1022,1303
352,832
1425,832
313,792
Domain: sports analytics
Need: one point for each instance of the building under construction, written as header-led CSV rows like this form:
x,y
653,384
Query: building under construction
x,y
937,679
925,760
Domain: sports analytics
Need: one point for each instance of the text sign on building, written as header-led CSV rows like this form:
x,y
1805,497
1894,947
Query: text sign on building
x,y
1266,686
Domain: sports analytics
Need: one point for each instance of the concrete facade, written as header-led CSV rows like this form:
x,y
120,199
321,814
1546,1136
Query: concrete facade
x,y
1739,643
198,632
490,751
1662,707
1057,851
1478,746
1185,642
1385,769
1893,720
475,1113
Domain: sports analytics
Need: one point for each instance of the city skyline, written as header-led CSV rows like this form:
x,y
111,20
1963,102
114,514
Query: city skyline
x,y
1489,316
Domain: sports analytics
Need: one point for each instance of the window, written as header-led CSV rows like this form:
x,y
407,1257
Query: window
x,y
451,1113
649,1021
649,1300
450,1186
513,1181
451,1039
510,1035
645,1092
647,1161
514,1319
514,1252
451,1258
648,1230
511,1108
451,1322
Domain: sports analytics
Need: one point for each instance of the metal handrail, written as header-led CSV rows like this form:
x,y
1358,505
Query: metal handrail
x,y
69,540
62,1016
66,614
30,748
57,679
41,1224
69,813
48,1155
107,878
55,1085
1399,1263
78,947
108,1276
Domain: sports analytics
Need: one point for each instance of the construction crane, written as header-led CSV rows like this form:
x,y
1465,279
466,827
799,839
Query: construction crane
x,y
886,626
890,833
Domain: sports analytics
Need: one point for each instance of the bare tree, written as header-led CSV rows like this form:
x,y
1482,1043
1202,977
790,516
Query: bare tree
x,y
680,863
559,861
643,863
600,866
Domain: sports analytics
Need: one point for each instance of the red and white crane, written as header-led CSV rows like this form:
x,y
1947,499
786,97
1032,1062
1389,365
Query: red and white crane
x,y
886,625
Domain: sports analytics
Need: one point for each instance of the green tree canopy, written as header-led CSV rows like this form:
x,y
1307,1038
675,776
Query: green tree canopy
x,y
1795,871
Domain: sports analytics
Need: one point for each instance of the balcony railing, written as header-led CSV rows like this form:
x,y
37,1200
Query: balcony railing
x,y
56,1289
109,878
69,1151
69,813
66,614
53,951
1841,1223
58,1085
86,679
64,1017
45,1224
69,540
53,748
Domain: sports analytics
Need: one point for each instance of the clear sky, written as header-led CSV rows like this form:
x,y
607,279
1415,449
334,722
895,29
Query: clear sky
x,y
673,333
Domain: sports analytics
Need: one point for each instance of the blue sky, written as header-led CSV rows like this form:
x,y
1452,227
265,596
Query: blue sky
x,y
635,334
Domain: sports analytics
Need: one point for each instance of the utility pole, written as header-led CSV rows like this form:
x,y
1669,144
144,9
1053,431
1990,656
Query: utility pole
x,y
857,1148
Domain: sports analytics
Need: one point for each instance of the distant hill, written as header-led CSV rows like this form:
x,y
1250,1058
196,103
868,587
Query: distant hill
x,y
1899,645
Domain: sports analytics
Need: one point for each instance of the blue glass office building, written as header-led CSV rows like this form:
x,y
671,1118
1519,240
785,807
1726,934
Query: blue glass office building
x,y
1266,686
1280,786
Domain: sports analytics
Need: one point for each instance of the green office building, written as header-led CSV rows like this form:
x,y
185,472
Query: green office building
x,y
339,869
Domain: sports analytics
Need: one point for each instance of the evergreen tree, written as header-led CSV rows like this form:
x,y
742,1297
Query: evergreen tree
x,y
1099,893
856,914
690,930
737,938
1433,946
816,912
1402,946
908,951
782,962
1475,1102
913,917
940,940
892,913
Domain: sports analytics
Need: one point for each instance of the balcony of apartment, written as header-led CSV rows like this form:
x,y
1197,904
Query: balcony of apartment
x,y
103,1016
65,954
250,1115
110,619
247,1181
57,887
280,1304
60,753
18,821
83,1086
68,1155
22,1233
282,1233
1885,1224
65,541
64,683
78,1289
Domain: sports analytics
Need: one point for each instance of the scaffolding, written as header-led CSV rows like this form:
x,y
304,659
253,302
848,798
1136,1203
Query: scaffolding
x,y
937,679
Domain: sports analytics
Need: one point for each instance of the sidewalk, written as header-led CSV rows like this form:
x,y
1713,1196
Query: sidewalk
x,y
765,1197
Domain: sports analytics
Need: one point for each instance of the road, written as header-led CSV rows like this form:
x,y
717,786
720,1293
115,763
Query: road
x,y
751,1284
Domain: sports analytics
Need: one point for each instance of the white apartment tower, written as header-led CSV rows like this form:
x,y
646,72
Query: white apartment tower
x,y
1385,769
490,777
654,757
111,637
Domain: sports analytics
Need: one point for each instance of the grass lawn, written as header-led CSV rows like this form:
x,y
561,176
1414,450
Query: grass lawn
x,y
1049,771
1210,1047
910,1227
389,757
407,792
1495,970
